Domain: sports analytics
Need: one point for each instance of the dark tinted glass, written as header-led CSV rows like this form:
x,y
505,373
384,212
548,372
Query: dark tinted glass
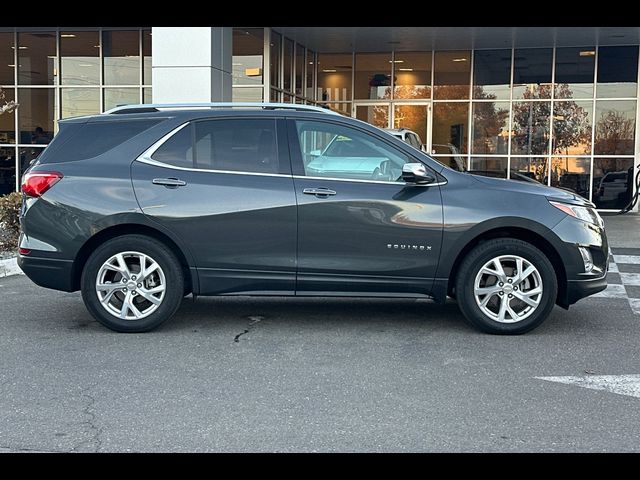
x,y
617,72
7,170
574,72
532,73
104,137
237,145
177,151
7,63
491,74
36,58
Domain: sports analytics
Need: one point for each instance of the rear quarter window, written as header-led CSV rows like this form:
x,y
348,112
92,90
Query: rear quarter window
x,y
82,141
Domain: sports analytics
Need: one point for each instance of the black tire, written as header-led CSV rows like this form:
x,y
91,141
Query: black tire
x,y
482,254
159,252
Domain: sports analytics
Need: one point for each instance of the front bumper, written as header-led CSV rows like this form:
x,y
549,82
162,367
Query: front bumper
x,y
51,273
577,289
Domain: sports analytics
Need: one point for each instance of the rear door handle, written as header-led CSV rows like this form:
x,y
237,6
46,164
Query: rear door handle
x,y
169,182
319,192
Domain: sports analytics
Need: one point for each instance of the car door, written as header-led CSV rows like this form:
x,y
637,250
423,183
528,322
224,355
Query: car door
x,y
361,229
224,187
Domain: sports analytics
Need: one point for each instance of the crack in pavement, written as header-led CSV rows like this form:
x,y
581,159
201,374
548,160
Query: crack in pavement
x,y
254,320
5,449
90,422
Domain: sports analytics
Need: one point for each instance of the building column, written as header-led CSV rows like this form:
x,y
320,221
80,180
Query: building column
x,y
191,64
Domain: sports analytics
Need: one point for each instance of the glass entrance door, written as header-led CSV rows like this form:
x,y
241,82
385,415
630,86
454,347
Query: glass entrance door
x,y
415,116
376,114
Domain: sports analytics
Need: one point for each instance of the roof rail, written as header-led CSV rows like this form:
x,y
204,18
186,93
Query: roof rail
x,y
186,106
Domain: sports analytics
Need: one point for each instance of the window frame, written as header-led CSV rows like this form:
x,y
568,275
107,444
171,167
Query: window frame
x,y
284,162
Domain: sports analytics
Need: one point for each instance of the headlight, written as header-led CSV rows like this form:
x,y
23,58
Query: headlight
x,y
586,214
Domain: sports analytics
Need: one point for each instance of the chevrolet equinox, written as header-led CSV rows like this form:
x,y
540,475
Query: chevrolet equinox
x,y
142,205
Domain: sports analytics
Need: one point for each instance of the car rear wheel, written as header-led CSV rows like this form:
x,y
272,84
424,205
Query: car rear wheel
x,y
132,283
506,286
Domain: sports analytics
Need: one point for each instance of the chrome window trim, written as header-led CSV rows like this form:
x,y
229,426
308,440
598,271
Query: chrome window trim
x,y
334,179
150,161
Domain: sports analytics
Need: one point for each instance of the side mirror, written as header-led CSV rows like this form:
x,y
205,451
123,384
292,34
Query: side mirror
x,y
416,173
315,153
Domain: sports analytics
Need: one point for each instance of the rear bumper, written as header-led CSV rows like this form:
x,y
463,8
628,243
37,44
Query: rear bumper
x,y
577,289
48,272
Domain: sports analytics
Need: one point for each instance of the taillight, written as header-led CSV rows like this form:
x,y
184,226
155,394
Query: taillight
x,y
34,184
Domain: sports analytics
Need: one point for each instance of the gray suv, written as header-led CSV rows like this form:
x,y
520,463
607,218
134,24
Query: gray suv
x,y
143,205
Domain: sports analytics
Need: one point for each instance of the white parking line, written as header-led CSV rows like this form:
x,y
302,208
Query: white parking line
x,y
630,278
634,259
9,266
620,384
612,291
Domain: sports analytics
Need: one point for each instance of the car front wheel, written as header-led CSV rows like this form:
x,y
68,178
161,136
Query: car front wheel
x,y
132,283
506,286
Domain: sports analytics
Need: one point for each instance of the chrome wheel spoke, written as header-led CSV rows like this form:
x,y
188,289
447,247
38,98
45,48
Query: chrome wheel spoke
x,y
148,295
503,309
124,310
109,288
487,290
514,316
526,296
145,272
123,265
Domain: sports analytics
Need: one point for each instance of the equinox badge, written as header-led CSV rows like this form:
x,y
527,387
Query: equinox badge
x,y
404,246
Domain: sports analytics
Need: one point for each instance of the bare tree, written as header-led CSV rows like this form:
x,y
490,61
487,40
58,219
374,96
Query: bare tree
x,y
614,134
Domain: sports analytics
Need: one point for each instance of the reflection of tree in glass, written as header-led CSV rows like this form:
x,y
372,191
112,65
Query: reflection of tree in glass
x,y
6,107
531,122
412,118
488,123
614,134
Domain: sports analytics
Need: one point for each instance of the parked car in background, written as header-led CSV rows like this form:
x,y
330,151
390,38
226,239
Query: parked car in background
x,y
613,190
142,205
408,136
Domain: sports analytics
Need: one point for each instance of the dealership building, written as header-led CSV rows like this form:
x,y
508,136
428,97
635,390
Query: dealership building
x,y
554,104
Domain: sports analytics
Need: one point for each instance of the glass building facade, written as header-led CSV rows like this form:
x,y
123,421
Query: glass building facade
x,y
64,72
564,116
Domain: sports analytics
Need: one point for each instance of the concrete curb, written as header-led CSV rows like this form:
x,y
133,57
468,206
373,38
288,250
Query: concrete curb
x,y
9,266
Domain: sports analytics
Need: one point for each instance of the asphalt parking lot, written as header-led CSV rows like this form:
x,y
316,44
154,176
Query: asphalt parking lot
x,y
274,374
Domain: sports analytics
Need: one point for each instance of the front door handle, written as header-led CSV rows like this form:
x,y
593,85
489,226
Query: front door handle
x,y
169,182
319,192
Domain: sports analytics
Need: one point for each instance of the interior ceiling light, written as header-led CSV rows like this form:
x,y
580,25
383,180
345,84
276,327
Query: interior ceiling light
x,y
587,53
396,61
67,35
329,70
459,60
405,69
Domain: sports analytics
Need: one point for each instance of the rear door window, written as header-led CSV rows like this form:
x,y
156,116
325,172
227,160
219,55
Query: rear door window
x,y
236,145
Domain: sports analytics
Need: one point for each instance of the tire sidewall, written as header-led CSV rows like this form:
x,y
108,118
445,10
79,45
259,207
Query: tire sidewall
x,y
481,255
159,253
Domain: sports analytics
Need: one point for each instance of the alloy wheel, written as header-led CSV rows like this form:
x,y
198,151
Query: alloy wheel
x,y
508,288
130,285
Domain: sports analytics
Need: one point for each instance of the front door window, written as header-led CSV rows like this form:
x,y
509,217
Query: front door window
x,y
340,152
